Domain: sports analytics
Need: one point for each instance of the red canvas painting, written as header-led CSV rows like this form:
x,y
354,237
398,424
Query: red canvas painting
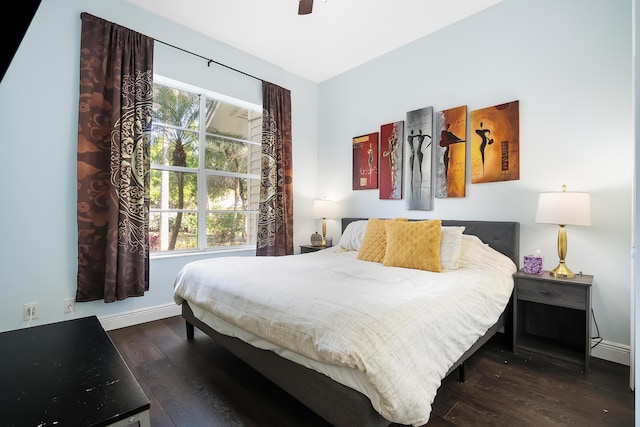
x,y
391,141
365,162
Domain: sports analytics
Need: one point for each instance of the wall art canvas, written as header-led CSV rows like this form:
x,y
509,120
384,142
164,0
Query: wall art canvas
x,y
495,143
418,159
391,155
365,161
451,152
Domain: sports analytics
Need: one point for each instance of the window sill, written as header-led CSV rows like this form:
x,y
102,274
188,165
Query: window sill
x,y
207,253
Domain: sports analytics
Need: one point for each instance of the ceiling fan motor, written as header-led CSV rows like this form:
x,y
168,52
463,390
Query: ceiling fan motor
x,y
305,7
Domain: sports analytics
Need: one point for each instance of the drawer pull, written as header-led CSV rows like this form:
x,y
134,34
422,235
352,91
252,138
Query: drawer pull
x,y
546,293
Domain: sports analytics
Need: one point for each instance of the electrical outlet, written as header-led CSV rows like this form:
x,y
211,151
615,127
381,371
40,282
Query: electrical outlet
x,y
69,305
30,311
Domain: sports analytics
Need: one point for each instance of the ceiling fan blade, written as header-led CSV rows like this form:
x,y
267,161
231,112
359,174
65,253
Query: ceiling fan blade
x,y
305,7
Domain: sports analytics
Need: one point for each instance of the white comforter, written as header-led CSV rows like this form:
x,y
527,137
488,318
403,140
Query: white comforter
x,y
402,328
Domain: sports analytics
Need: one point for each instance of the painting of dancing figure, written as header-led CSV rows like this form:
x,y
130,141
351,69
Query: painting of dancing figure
x,y
495,143
391,155
365,162
451,152
418,166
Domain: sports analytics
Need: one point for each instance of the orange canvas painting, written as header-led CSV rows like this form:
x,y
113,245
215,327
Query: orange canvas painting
x,y
451,152
495,143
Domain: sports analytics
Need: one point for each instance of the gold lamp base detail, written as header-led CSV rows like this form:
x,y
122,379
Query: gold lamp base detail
x,y
562,271
324,231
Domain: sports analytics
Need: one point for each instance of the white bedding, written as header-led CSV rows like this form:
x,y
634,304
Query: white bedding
x,y
401,328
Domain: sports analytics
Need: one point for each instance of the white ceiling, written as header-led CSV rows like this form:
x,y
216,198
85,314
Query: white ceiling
x,y
337,36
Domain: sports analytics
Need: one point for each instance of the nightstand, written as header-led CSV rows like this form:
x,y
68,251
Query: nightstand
x,y
309,248
552,316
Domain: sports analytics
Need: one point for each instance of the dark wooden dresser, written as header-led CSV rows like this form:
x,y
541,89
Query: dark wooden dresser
x,y
67,374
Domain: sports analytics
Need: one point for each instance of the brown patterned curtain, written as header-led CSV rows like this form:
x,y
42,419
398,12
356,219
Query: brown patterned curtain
x,y
275,217
114,127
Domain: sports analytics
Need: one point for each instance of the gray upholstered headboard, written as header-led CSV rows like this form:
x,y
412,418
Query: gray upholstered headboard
x,y
503,236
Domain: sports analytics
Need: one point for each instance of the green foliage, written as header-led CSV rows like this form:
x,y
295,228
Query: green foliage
x,y
226,229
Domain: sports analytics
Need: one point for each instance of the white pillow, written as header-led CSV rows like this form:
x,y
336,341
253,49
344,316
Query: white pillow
x,y
351,238
450,245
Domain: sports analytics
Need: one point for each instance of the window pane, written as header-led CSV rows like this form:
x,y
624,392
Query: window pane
x,y
231,193
170,231
226,155
174,147
176,107
229,120
173,190
231,229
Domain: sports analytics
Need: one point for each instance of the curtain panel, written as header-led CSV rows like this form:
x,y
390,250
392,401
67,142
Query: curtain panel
x,y
114,129
275,215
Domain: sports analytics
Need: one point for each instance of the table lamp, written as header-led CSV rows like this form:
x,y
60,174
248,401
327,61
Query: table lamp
x,y
323,209
564,208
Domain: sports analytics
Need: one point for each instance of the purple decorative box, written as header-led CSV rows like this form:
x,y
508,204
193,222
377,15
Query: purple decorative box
x,y
533,264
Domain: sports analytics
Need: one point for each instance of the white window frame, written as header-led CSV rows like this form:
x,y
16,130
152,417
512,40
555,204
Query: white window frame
x,y
202,173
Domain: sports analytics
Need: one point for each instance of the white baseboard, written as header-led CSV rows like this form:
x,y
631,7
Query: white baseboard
x,y
137,317
611,351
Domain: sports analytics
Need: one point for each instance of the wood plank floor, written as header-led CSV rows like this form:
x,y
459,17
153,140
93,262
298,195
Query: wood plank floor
x,y
200,384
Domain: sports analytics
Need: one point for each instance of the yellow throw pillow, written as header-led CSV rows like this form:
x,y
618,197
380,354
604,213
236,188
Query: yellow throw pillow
x,y
414,244
374,242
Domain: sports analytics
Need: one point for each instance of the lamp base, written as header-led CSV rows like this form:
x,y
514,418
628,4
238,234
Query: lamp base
x,y
562,271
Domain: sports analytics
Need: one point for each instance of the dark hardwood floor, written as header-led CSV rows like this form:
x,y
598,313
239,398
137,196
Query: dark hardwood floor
x,y
200,384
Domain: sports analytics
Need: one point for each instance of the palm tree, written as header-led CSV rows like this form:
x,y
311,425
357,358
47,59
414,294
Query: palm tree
x,y
181,111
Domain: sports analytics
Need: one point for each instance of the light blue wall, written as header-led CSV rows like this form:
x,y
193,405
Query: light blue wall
x,y
39,104
569,64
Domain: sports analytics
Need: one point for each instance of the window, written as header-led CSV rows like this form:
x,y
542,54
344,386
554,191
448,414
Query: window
x,y
205,170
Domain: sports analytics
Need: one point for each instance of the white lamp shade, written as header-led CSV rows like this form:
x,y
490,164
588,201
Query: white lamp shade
x,y
564,208
323,209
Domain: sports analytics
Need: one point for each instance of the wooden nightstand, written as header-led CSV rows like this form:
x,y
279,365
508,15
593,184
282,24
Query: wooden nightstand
x,y
309,248
552,316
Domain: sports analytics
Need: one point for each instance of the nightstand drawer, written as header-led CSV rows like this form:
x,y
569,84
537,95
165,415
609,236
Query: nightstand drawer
x,y
562,294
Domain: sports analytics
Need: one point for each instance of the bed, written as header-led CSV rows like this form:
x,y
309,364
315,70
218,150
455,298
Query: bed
x,y
338,332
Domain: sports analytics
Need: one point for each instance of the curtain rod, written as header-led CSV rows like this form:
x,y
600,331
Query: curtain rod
x,y
209,61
